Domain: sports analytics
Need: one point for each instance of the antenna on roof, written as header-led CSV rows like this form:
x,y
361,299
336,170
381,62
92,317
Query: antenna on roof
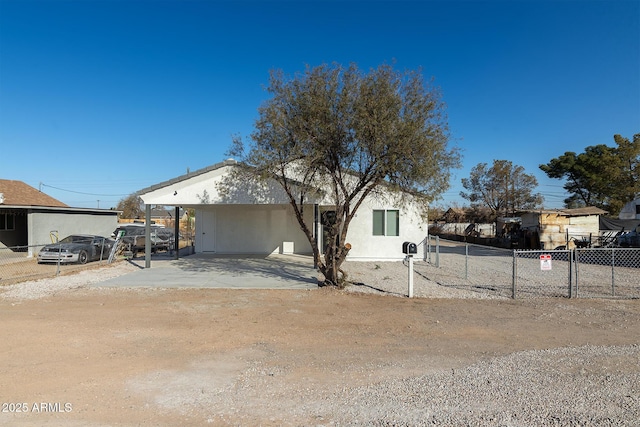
x,y
40,187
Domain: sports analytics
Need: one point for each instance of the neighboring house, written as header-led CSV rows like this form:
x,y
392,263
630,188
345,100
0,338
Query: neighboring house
x,y
630,210
28,218
562,227
455,215
254,219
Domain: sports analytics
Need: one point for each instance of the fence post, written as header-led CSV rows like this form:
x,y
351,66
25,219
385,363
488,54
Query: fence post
x,y
437,251
425,249
571,254
466,261
514,275
577,275
613,272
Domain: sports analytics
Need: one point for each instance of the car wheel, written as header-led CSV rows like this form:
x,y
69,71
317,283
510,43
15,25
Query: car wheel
x,y
83,257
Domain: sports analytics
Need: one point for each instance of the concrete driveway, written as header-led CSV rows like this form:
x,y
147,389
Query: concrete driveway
x,y
222,271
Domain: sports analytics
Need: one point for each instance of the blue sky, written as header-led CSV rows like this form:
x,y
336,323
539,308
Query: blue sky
x,y
99,99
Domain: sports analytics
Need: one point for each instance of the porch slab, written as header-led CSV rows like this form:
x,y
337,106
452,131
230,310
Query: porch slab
x,y
222,271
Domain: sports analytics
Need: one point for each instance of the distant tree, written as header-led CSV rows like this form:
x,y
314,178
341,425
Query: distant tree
x,y
435,212
350,133
504,188
131,207
480,214
629,172
601,176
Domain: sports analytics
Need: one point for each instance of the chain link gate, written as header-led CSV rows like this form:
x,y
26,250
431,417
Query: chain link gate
x,y
539,273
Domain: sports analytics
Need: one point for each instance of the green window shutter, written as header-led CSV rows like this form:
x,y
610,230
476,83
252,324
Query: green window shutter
x,y
378,223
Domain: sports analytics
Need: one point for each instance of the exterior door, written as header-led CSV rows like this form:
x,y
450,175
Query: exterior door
x,y
207,231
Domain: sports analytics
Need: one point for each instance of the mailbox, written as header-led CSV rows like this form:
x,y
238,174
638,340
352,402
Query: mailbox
x,y
409,248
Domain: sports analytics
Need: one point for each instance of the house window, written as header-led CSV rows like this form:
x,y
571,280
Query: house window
x,y
386,223
7,222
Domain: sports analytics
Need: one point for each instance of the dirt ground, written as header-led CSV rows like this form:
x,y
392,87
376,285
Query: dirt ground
x,y
97,357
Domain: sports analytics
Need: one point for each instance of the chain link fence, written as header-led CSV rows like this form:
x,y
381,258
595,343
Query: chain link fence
x,y
607,272
459,265
576,273
20,263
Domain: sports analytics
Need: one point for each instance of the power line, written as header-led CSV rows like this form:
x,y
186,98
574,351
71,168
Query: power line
x,y
80,192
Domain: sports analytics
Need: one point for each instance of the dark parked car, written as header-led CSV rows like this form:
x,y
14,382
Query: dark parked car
x,y
79,248
134,239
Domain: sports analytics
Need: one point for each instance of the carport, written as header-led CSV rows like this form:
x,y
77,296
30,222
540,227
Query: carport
x,y
231,216
215,271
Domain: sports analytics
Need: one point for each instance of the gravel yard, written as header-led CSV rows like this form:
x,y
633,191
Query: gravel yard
x,y
367,355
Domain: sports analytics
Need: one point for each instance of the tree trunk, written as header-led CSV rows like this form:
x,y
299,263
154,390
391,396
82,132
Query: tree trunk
x,y
331,269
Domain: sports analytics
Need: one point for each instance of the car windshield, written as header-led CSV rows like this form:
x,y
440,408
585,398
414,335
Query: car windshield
x,y
76,239
132,231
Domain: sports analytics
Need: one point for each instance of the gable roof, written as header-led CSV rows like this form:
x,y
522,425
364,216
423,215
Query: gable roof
x,y
187,176
17,193
201,187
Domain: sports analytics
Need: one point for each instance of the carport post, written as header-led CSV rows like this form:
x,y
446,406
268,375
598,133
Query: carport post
x,y
147,236
316,231
176,232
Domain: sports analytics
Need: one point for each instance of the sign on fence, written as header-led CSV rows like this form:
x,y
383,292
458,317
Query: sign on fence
x,y
545,262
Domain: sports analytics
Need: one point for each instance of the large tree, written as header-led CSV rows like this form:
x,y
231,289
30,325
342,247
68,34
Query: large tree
x,y
349,133
131,207
504,188
602,176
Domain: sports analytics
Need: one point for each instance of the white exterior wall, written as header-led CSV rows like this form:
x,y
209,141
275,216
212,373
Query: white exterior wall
x,y
257,219
266,229
367,247
250,229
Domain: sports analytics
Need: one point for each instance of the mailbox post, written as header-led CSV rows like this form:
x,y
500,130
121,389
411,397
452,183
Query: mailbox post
x,y
410,249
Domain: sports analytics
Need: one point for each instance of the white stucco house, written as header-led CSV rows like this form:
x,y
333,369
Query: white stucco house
x,y
252,220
